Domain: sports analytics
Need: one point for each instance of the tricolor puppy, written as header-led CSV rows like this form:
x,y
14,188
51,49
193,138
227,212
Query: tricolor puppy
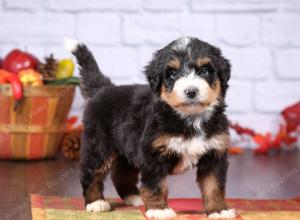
x,y
175,123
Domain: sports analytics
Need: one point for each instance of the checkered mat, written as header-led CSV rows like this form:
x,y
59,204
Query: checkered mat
x,y
65,208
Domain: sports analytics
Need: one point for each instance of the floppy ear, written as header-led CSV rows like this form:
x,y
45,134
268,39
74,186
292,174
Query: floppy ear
x,y
224,69
153,74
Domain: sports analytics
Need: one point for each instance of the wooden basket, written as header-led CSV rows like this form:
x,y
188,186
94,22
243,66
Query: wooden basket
x,y
35,130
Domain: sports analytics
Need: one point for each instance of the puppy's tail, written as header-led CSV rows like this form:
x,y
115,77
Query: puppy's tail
x,y
92,78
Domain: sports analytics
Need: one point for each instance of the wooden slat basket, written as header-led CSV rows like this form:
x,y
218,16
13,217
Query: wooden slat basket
x,y
36,128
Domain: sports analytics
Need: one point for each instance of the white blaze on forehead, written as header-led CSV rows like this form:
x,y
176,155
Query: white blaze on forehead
x,y
192,81
181,43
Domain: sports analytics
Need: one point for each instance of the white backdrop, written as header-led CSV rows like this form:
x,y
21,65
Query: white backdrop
x,y
260,37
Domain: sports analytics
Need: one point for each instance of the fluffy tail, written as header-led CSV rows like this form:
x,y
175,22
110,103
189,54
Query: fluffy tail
x,y
91,77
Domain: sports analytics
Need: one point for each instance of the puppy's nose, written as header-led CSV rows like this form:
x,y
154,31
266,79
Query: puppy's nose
x,y
191,92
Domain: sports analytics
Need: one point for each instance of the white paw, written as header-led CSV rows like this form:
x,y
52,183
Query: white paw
x,y
133,200
98,206
160,213
229,213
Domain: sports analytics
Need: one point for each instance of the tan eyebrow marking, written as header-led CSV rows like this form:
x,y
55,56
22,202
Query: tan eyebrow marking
x,y
175,64
202,61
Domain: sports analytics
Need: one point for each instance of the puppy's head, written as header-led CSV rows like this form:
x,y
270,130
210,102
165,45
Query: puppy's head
x,y
190,75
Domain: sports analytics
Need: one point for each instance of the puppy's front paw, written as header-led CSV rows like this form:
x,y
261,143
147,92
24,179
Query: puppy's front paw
x,y
98,206
229,213
133,200
160,213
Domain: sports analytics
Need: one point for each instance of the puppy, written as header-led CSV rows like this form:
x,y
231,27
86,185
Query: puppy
x,y
174,123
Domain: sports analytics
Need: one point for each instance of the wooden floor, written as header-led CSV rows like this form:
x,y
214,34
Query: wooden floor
x,y
276,176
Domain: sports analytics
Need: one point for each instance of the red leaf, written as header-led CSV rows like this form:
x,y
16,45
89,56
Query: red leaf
x,y
71,121
291,116
264,143
242,130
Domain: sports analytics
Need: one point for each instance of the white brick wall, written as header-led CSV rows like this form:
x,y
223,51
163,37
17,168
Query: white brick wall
x,y
261,38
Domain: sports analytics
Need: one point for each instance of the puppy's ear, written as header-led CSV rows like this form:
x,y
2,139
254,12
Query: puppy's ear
x,y
224,72
153,74
225,68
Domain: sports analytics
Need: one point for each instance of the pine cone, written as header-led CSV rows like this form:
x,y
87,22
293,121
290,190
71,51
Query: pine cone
x,y
71,145
48,68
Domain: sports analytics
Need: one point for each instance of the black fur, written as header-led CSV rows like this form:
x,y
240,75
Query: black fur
x,y
92,78
126,119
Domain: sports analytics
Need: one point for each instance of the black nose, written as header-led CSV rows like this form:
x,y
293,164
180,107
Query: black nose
x,y
191,93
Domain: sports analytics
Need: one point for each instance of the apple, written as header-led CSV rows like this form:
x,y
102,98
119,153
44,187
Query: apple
x,y
65,69
18,60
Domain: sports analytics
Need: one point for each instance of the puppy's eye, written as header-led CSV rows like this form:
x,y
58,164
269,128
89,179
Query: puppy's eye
x,y
205,71
172,74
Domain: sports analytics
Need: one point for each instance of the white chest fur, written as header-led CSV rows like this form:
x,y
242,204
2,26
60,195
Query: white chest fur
x,y
193,148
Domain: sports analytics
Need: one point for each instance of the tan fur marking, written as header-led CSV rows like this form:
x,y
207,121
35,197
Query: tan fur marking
x,y
223,138
170,97
161,144
180,167
191,110
202,61
213,195
214,92
174,64
161,140
106,165
213,95
173,99
155,201
95,189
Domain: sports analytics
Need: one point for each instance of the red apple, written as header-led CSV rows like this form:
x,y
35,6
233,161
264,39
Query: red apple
x,y
18,60
1,63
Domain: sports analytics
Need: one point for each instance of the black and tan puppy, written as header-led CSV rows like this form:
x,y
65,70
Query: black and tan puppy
x,y
174,123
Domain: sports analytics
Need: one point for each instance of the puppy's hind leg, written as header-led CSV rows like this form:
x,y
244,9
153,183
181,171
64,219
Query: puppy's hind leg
x,y
94,168
125,179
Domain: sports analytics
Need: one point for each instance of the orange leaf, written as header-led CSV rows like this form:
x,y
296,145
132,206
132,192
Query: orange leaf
x,y
235,150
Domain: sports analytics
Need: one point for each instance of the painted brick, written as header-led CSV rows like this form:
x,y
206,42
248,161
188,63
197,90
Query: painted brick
x,y
235,5
166,5
24,4
6,48
117,62
38,51
99,28
86,5
261,38
238,30
145,54
291,5
239,97
282,29
275,96
150,28
58,51
249,63
288,63
201,26
40,27
259,122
